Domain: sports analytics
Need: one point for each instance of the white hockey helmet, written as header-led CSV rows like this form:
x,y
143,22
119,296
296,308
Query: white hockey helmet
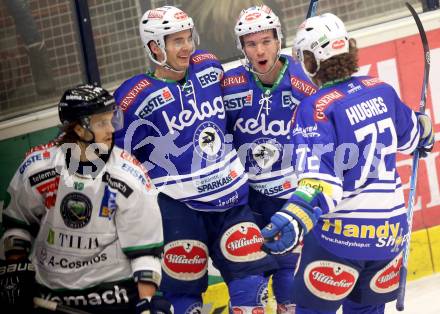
x,y
155,24
256,19
324,35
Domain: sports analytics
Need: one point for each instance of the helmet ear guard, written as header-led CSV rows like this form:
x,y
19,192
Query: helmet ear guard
x,y
325,36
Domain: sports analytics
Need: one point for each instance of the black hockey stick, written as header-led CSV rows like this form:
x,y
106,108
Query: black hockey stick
x,y
56,307
313,7
413,182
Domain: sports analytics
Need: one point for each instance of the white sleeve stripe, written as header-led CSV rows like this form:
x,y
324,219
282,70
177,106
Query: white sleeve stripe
x,y
369,215
386,186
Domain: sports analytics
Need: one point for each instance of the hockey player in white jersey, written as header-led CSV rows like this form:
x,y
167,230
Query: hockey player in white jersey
x,y
175,123
260,97
86,213
349,204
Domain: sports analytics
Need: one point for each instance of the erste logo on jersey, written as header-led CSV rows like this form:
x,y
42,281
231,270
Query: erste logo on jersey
x,y
302,86
288,100
185,259
264,152
242,243
209,141
330,280
131,96
235,80
154,101
138,175
34,158
239,100
209,76
324,102
387,279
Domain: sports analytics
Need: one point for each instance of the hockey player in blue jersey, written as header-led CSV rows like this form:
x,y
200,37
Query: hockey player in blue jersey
x,y
175,123
349,204
260,97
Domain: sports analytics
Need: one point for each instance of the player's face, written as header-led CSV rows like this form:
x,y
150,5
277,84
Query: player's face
x,y
179,47
261,49
101,125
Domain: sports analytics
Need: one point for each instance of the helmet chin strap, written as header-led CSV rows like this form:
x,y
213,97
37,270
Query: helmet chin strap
x,y
248,65
164,63
85,125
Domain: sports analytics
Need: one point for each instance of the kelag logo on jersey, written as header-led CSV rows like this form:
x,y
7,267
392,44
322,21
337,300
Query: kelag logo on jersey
x,y
154,101
288,100
209,76
239,100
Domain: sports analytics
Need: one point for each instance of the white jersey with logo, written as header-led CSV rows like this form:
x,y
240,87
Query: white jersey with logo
x,y
87,231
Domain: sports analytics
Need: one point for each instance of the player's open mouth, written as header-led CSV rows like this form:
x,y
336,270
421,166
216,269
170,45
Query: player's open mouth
x,y
264,62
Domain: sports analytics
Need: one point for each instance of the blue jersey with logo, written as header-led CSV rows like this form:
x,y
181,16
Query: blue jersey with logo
x,y
346,137
259,119
178,132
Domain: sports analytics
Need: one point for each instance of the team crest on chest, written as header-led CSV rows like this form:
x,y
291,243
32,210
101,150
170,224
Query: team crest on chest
x,y
208,141
265,152
76,210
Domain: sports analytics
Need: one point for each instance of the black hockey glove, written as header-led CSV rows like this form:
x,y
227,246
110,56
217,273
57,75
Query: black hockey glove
x,y
155,305
17,286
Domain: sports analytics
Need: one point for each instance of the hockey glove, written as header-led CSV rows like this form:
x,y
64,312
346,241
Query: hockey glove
x,y
427,136
154,305
17,285
287,226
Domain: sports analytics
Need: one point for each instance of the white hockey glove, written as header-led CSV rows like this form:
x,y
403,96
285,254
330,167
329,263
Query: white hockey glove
x,y
427,136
